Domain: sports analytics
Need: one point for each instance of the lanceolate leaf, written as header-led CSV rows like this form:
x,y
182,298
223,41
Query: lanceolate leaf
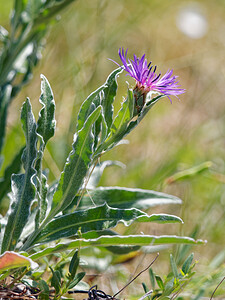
x,y
46,122
98,218
105,241
120,197
14,167
109,93
76,166
23,192
88,106
124,115
46,129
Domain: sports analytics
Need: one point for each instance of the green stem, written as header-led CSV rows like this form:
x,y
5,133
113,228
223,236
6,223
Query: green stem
x,y
14,51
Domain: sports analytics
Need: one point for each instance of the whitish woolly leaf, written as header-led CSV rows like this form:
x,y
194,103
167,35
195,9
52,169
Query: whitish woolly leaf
x,y
46,122
120,197
97,218
104,241
76,166
23,192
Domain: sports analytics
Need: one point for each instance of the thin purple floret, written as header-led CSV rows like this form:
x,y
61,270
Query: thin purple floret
x,y
147,79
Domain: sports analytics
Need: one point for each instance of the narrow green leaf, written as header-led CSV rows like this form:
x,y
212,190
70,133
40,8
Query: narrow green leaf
x,y
189,173
120,197
173,266
108,97
78,277
74,265
76,166
13,168
88,106
187,263
145,287
56,280
5,95
159,282
44,290
124,115
97,218
152,278
23,192
105,241
46,122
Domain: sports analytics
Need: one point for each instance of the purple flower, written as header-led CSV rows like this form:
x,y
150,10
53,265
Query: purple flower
x,y
146,78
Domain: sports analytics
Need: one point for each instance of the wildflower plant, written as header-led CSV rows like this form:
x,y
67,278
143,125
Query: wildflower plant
x,y
73,212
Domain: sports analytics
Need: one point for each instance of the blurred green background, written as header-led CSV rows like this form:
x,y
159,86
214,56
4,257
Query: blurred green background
x,y
184,35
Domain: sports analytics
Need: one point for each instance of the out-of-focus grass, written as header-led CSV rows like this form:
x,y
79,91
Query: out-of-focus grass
x,y
172,137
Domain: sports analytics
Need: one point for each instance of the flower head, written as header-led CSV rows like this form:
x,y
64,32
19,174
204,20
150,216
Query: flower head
x,y
146,77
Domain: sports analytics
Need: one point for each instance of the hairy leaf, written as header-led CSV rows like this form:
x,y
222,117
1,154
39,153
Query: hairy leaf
x,y
109,93
98,218
23,192
120,197
104,241
46,122
76,166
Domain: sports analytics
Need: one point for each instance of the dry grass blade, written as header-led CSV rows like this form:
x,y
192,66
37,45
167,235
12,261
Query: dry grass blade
x,y
137,276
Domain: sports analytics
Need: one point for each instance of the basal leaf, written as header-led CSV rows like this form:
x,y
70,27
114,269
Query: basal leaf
x,y
56,280
159,282
120,197
74,265
78,277
97,218
23,192
10,260
46,122
105,241
76,166
44,290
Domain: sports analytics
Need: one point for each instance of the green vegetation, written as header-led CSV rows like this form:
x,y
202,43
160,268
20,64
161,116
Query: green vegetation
x,y
176,150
